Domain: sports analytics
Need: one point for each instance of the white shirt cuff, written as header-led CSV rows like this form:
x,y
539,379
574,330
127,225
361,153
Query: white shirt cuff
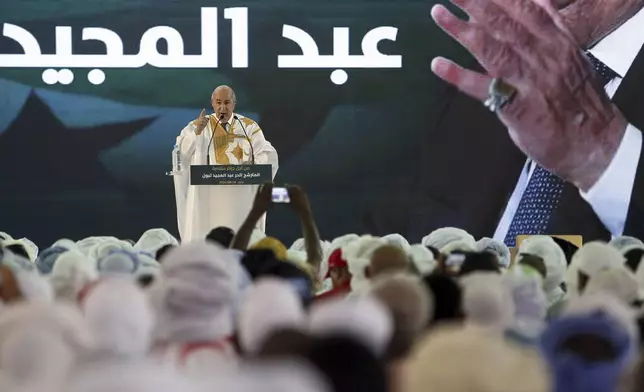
x,y
611,194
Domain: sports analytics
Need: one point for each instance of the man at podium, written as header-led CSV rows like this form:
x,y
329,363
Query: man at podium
x,y
237,140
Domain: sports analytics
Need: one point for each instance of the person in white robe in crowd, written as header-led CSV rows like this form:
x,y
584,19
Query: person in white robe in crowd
x,y
154,239
194,300
619,282
270,305
554,260
236,139
364,318
422,259
120,318
525,284
358,254
449,239
587,262
72,271
497,248
40,344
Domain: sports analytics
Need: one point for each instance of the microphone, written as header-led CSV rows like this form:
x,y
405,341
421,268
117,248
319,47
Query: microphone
x,y
211,138
252,151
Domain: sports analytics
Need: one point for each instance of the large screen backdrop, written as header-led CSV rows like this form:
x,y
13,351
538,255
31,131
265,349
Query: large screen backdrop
x,y
87,127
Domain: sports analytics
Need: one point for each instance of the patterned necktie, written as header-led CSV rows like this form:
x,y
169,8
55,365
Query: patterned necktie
x,y
541,195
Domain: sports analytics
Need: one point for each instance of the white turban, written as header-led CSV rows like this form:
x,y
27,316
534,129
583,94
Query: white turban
x,y
554,259
623,242
449,239
194,299
619,282
358,256
364,318
298,245
66,243
495,247
270,305
40,342
30,247
120,317
423,259
530,303
71,273
87,244
397,240
153,239
590,259
119,262
487,302
106,247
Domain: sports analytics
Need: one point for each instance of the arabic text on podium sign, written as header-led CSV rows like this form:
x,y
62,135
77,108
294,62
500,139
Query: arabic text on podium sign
x,y
230,174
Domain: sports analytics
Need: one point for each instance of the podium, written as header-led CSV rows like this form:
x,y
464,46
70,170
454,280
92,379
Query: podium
x,y
230,174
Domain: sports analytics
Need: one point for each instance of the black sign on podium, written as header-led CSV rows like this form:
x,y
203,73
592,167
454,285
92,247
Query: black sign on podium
x,y
230,174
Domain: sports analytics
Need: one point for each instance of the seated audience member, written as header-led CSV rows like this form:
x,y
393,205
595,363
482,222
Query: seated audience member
x,y
222,236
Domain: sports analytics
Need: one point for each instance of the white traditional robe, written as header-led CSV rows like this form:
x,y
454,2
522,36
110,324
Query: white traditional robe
x,y
202,208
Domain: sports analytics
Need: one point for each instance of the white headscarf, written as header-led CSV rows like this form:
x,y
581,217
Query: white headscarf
x,y
364,318
554,259
449,239
120,317
619,282
39,343
30,247
397,240
195,296
495,247
590,259
358,256
423,259
270,305
71,273
530,303
623,242
153,239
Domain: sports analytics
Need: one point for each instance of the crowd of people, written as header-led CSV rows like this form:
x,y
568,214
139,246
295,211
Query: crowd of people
x,y
241,311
